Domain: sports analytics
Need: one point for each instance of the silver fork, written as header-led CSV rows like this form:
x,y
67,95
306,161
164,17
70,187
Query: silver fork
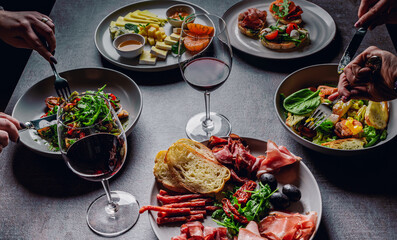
x,y
323,111
61,84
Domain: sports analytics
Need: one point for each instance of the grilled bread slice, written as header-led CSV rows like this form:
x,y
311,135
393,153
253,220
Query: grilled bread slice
x,y
377,114
164,175
194,170
285,45
346,144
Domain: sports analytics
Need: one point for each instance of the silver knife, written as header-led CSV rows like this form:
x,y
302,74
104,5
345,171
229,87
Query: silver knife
x,y
39,123
351,49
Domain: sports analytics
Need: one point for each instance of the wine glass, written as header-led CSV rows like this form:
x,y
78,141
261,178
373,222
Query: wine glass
x,y
93,144
205,61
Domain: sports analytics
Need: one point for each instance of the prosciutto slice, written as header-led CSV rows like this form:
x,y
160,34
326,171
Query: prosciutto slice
x,y
288,226
276,157
251,232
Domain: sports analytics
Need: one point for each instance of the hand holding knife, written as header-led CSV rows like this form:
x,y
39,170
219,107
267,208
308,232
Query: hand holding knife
x,y
374,62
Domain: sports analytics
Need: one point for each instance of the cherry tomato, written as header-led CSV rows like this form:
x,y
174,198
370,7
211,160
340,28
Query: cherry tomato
x,y
272,35
290,27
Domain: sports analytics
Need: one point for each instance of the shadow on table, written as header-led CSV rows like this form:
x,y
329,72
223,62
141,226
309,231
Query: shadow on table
x,y
372,173
322,232
148,78
51,177
326,55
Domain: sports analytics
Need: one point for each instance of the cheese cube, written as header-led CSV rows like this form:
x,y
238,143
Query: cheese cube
x,y
169,41
158,52
159,36
151,41
147,58
177,30
163,46
151,32
175,36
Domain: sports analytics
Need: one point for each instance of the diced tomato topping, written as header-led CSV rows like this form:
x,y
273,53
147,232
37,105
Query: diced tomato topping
x,y
70,131
271,36
112,96
82,134
290,27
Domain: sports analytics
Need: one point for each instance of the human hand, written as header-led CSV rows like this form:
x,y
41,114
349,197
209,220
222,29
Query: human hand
x,y
376,12
29,30
8,130
357,80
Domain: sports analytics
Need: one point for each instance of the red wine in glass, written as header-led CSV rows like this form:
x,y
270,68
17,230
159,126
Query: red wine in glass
x,y
206,73
96,157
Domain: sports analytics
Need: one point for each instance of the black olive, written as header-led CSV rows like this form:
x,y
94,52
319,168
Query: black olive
x,y
279,200
292,192
268,178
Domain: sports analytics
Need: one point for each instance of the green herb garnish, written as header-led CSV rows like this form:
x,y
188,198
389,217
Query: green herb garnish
x,y
175,47
281,10
131,27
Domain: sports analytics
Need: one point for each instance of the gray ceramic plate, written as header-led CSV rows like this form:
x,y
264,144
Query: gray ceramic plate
x,y
314,76
297,174
104,45
316,20
31,105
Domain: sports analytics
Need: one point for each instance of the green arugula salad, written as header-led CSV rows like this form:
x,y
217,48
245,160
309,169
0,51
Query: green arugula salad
x,y
81,112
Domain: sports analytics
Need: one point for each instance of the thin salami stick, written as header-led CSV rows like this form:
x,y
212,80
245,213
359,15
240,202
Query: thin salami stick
x,y
177,198
163,192
207,208
207,200
194,212
185,204
211,208
164,209
163,220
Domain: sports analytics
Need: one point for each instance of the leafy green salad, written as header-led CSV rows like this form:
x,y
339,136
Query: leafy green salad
x,y
81,111
355,124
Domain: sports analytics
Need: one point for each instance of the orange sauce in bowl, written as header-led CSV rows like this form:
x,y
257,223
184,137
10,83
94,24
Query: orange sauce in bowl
x,y
129,45
178,15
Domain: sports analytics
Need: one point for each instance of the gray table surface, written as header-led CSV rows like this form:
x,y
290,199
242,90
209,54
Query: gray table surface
x,y
42,199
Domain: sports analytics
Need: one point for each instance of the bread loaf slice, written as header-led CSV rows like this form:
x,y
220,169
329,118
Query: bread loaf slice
x,y
163,174
200,148
377,114
346,144
195,169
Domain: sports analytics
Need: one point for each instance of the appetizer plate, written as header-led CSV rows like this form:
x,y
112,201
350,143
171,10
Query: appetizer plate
x,y
316,20
32,104
103,42
313,76
297,174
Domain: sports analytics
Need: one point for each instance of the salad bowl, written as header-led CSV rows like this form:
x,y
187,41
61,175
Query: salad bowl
x,y
32,103
314,76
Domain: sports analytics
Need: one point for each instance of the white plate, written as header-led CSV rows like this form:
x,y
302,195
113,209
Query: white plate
x,y
103,42
297,174
316,20
32,103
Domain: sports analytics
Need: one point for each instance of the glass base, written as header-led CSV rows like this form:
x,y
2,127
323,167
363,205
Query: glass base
x,y
117,223
196,130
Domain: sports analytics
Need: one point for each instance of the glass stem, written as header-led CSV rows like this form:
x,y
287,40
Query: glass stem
x,y
111,207
208,124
